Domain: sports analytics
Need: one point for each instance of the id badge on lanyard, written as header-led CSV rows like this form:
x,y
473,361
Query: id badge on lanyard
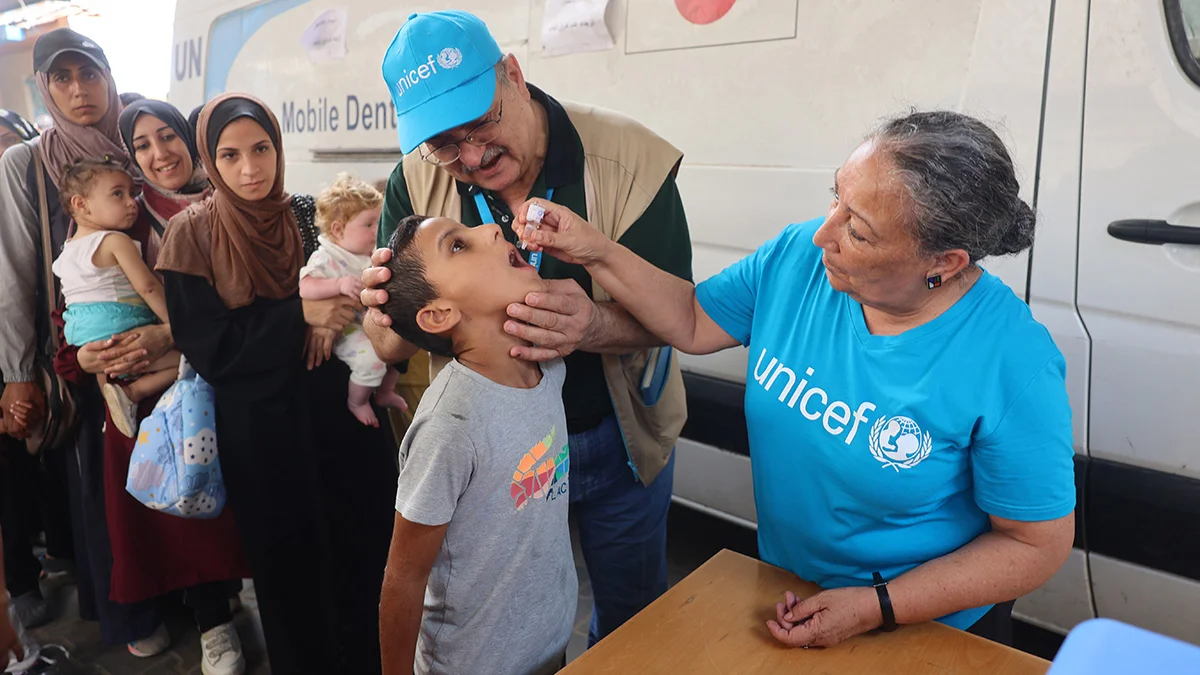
x,y
485,216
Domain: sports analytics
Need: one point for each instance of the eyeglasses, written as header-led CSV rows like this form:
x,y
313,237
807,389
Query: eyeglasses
x,y
486,132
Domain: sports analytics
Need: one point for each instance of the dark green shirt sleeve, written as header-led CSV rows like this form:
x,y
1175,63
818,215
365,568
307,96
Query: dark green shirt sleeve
x,y
661,236
397,206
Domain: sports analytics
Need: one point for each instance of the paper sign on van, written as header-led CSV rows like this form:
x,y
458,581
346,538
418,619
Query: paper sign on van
x,y
574,27
325,39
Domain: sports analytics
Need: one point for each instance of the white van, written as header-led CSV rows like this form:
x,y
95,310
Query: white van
x,y
1099,100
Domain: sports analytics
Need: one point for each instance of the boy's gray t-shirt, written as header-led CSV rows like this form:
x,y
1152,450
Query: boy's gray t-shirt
x,y
492,461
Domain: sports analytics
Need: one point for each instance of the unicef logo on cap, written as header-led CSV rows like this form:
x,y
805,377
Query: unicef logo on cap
x,y
898,442
449,58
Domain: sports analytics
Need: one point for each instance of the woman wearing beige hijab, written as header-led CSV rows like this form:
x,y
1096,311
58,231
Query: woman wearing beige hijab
x,y
309,486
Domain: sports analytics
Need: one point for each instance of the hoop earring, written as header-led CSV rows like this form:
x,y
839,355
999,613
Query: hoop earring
x,y
934,281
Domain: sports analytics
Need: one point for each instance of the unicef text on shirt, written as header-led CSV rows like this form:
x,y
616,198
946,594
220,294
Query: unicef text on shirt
x,y
322,116
896,442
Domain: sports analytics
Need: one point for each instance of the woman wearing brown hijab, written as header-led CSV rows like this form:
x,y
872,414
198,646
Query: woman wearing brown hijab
x,y
309,486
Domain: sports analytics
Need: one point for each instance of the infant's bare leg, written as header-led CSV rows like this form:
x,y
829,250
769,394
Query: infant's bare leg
x,y
359,402
385,393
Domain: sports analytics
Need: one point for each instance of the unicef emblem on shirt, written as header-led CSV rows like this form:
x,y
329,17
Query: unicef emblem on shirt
x,y
898,442
449,58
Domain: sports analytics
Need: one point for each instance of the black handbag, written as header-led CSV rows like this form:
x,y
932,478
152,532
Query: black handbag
x,y
62,413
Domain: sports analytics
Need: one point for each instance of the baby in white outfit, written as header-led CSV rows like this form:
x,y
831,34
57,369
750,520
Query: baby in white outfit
x,y
348,216
107,286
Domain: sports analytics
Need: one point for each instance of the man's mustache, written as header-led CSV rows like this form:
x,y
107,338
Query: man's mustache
x,y
489,156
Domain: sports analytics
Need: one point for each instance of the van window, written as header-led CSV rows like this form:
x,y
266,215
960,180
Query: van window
x,y
1183,24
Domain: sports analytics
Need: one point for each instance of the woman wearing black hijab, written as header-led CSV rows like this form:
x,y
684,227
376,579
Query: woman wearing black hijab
x,y
311,488
163,145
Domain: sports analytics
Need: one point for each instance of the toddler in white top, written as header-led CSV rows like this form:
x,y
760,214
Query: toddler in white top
x,y
348,216
107,286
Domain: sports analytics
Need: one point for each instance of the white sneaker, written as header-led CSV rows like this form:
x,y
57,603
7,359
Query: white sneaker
x,y
222,650
122,410
155,644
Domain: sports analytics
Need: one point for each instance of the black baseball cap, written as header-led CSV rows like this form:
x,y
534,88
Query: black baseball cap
x,y
57,42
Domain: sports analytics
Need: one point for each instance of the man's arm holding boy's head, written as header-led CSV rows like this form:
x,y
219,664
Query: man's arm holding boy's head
x,y
389,346
395,290
414,549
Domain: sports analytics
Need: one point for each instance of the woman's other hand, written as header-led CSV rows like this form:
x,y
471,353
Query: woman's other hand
x,y
562,234
827,618
23,405
94,357
334,313
19,414
151,342
129,353
318,346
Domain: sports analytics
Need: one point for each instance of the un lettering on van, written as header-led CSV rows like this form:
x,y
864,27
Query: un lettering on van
x,y
188,60
323,115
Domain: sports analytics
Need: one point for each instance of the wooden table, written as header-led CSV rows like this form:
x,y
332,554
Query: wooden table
x,y
714,621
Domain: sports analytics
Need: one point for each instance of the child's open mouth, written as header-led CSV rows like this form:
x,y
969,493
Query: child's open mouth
x,y
515,258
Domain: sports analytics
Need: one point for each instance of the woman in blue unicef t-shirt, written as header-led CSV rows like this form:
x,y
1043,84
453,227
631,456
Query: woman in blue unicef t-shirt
x,y
908,418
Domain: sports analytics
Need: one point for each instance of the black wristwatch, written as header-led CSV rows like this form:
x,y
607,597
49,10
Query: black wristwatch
x,y
885,603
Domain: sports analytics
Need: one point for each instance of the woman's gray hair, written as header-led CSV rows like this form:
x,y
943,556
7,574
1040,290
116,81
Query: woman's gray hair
x,y
962,187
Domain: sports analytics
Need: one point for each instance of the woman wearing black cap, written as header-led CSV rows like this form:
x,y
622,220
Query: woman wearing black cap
x,y
22,484
119,575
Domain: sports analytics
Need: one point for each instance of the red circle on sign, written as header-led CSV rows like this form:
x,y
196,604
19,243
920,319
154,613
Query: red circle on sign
x,y
703,11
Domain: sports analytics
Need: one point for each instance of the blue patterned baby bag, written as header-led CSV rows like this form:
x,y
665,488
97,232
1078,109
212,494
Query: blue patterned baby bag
x,y
174,467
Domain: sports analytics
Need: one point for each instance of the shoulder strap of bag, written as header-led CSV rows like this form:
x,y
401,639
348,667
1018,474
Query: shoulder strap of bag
x,y
47,248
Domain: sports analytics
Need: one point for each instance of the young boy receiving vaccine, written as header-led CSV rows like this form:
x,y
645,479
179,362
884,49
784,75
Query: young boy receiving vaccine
x,y
480,578
347,215
107,286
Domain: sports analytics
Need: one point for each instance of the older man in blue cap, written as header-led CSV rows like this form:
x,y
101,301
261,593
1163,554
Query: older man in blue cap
x,y
479,141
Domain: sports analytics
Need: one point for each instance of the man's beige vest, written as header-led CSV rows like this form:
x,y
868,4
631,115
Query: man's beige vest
x,y
625,166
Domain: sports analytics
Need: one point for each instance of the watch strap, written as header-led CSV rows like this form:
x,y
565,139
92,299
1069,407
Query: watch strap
x,y
885,603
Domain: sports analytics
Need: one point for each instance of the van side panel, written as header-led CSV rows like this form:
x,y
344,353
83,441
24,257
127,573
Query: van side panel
x,y
1141,305
1066,599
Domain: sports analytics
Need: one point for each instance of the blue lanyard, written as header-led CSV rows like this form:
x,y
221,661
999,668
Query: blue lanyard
x,y
485,216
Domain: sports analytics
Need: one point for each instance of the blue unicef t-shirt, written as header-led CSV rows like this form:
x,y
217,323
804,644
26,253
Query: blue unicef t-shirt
x,y
879,453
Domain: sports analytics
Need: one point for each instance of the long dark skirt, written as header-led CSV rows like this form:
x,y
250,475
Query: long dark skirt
x,y
313,494
119,622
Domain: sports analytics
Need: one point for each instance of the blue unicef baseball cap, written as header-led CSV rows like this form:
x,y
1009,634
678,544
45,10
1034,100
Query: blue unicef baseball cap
x,y
440,72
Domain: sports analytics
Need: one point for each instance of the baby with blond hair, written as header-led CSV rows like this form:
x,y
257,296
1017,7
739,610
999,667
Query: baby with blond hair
x,y
348,215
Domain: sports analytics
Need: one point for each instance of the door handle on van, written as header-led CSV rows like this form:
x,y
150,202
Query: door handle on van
x,y
1154,232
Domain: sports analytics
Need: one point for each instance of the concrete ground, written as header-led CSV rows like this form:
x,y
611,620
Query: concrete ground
x,y
692,539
